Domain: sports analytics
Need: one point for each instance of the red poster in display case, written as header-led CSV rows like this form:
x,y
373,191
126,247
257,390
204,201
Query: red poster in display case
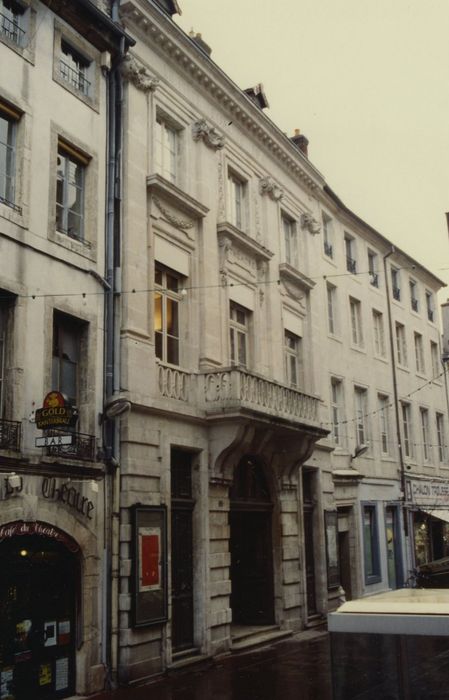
x,y
150,552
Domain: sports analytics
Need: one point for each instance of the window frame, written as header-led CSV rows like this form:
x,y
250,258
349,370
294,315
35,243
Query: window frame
x,y
355,312
373,268
414,300
395,283
350,253
328,235
237,331
74,156
425,434
84,52
419,353
167,296
293,354
290,237
441,437
64,323
379,333
384,417
16,35
237,195
371,555
163,150
337,407
401,344
435,359
407,429
361,415
430,306
331,298
12,118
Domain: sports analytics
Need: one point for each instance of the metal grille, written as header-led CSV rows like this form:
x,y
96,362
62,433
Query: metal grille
x,y
83,446
75,78
10,434
11,29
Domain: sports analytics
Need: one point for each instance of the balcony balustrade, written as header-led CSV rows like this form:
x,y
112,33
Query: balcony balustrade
x,y
82,447
10,435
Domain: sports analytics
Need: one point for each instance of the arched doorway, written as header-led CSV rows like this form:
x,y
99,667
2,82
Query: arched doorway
x,y
252,595
39,590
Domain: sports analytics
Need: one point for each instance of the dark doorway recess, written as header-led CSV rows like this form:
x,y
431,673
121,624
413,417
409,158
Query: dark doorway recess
x,y
252,596
182,505
309,549
39,595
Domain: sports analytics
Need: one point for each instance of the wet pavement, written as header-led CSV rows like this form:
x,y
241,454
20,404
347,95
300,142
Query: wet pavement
x,y
296,669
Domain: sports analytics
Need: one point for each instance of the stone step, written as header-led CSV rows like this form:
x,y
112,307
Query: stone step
x,y
259,638
189,660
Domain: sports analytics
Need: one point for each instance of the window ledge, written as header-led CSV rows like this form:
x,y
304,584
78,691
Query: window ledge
x,y
252,247
358,348
158,185
291,274
84,248
334,336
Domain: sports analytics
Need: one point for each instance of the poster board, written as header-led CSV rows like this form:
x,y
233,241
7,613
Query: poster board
x,y
149,577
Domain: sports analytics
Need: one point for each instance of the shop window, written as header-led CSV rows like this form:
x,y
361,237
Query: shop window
x,y
239,334
167,140
294,371
70,191
167,300
68,333
371,544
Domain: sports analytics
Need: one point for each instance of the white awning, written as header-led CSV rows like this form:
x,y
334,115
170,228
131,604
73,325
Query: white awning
x,y
440,513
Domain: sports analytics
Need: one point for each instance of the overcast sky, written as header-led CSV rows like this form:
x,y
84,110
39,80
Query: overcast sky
x,y
367,81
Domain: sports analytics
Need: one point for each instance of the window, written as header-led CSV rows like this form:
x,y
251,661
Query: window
x,y
441,437
351,264
328,236
361,415
337,409
166,314
236,201
3,322
372,269
67,332
430,306
426,448
12,16
238,332
294,372
70,188
331,308
290,241
74,68
356,322
370,544
166,149
384,422
379,335
8,128
401,345
419,353
414,296
395,284
435,358
406,429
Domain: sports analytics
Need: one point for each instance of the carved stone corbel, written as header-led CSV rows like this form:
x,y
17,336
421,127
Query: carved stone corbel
x,y
309,223
268,186
212,138
132,70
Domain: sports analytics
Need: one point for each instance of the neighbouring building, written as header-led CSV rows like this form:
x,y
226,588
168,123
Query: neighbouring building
x,y
54,89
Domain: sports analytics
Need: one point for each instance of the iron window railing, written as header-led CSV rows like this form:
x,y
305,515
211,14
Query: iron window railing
x,y
351,265
10,435
396,293
374,279
415,304
328,249
11,30
16,208
430,314
83,446
75,78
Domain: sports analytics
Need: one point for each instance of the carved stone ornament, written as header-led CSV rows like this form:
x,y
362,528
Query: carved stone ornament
x,y
171,218
137,74
211,137
268,186
311,224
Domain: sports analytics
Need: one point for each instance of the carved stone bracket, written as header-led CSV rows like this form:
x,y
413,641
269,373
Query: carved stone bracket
x,y
309,223
137,74
268,186
212,138
182,224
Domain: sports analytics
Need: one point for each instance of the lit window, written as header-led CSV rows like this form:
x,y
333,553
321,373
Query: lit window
x,y
361,415
401,344
166,149
12,21
424,413
419,353
351,264
290,241
328,236
236,201
70,187
414,296
371,544
372,269
395,284
66,356
356,322
406,429
379,336
238,334
8,128
331,292
441,437
337,409
293,360
166,315
384,421
74,68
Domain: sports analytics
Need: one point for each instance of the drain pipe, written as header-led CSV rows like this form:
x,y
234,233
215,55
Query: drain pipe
x,y
396,401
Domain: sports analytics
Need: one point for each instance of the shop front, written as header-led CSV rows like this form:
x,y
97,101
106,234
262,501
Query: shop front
x,y
428,501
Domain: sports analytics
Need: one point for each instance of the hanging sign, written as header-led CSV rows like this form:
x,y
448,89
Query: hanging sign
x,y
55,412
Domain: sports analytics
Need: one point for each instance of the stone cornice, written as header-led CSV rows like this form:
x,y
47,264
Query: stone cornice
x,y
159,186
168,39
290,274
225,230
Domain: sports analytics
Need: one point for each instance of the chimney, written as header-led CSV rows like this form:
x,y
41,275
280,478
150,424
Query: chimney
x,y
199,41
257,95
301,142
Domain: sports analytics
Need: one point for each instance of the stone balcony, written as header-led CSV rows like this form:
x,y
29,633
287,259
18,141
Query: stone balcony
x,y
236,390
